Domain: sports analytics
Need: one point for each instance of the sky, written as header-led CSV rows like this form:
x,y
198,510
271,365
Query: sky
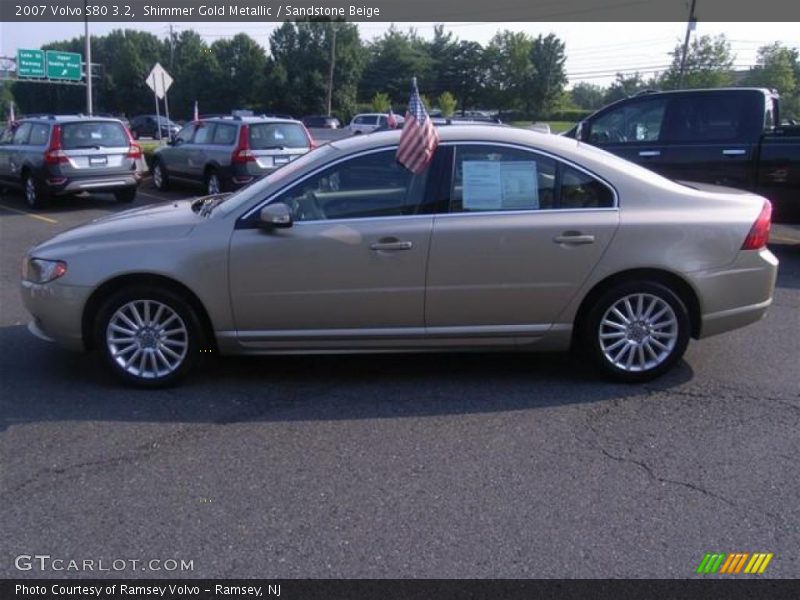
x,y
595,51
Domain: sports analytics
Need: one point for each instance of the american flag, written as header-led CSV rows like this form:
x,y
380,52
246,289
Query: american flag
x,y
391,120
419,138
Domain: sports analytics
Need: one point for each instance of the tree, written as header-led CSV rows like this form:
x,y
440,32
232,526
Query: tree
x,y
381,102
447,104
239,80
442,49
469,74
510,71
194,65
299,67
778,67
587,95
708,64
548,59
394,60
624,86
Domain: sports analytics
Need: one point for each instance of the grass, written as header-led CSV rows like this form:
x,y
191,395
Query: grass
x,y
555,126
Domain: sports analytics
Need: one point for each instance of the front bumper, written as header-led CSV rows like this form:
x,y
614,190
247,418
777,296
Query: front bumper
x,y
57,311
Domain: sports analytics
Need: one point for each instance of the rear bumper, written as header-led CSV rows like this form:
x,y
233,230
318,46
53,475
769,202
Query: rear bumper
x,y
737,295
104,183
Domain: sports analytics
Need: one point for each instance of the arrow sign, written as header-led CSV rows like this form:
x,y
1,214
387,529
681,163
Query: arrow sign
x,y
159,80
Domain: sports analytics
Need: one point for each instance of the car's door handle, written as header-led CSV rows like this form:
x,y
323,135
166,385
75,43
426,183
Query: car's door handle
x,y
650,153
573,238
391,246
734,152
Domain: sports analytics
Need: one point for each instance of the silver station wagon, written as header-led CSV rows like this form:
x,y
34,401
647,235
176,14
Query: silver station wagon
x,y
509,239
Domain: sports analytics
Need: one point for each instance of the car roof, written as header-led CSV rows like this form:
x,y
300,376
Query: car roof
x,y
69,118
253,119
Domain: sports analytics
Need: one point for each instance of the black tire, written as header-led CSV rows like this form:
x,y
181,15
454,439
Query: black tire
x,y
146,340
36,196
211,176
160,181
125,196
647,346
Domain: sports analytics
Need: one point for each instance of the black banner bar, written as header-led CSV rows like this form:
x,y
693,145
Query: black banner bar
x,y
176,11
387,589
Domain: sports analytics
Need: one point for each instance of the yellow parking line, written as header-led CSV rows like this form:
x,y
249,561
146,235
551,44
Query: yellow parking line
x,y
31,215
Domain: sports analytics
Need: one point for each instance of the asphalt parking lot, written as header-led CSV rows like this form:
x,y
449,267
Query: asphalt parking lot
x,y
473,465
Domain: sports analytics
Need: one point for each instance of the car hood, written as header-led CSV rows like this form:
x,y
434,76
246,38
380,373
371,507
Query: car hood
x,y
153,222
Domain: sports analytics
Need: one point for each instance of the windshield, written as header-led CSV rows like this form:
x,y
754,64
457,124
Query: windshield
x,y
93,134
265,136
259,188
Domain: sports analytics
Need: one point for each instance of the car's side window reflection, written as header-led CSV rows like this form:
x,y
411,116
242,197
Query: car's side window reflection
x,y
496,178
372,185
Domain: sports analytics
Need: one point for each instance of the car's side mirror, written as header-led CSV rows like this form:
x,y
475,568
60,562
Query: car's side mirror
x,y
582,131
277,215
174,140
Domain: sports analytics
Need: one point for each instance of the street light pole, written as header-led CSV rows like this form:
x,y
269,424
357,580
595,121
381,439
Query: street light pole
x,y
690,25
88,53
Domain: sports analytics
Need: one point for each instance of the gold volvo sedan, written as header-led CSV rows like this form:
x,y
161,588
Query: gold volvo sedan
x,y
509,240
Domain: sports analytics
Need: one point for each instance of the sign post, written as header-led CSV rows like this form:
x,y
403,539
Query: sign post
x,y
159,81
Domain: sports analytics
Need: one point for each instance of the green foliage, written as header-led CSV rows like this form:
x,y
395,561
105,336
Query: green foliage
x,y
587,95
627,85
394,60
708,64
381,102
447,104
778,67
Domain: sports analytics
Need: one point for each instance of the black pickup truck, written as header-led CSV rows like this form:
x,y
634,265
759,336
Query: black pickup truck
x,y
726,136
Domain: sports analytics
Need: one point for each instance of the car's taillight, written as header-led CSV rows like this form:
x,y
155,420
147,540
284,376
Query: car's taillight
x,y
759,232
54,154
134,149
311,143
243,154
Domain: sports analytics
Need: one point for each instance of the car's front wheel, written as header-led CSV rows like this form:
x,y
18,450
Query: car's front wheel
x,y
149,337
636,331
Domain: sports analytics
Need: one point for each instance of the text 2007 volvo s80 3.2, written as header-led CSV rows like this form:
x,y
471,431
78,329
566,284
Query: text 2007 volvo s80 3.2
x,y
508,239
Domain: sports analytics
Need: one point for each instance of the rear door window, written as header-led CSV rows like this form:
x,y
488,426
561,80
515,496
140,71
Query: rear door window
x,y
224,135
204,134
712,117
92,134
276,136
40,134
21,134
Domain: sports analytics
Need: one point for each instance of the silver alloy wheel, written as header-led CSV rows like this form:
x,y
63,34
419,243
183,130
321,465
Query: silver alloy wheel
x,y
30,191
147,339
638,332
213,184
158,176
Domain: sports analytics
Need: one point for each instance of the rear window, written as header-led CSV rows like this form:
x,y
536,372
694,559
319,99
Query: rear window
x,y
266,136
90,134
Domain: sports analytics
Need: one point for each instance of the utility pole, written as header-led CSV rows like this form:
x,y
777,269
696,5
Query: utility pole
x,y
171,48
88,60
332,67
690,26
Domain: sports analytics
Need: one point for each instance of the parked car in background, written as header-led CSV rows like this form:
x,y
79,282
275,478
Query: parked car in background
x,y
224,153
60,155
369,122
725,136
510,239
321,122
145,126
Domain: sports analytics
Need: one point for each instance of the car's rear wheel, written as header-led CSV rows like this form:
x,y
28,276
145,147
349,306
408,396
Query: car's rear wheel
x,y
125,196
160,176
636,331
35,195
213,182
149,337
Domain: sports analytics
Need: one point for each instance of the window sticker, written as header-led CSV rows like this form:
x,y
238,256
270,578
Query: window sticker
x,y
500,185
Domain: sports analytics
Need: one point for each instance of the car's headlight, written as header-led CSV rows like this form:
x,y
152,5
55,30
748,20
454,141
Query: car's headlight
x,y
39,270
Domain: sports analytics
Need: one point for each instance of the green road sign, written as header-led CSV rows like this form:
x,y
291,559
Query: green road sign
x,y
30,63
63,65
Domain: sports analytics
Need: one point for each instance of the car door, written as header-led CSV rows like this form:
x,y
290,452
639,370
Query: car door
x,y
632,130
197,151
350,268
5,153
175,156
17,152
713,137
523,232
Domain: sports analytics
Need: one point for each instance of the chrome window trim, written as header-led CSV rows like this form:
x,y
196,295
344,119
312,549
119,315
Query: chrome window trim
x,y
555,157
